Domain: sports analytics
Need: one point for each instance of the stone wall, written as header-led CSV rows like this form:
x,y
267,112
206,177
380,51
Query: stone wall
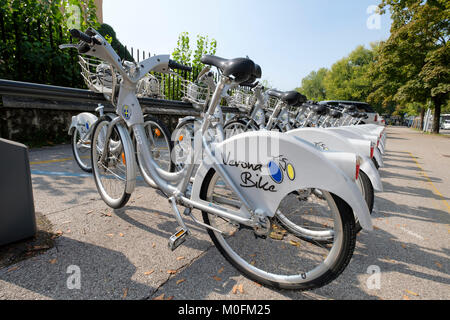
x,y
37,122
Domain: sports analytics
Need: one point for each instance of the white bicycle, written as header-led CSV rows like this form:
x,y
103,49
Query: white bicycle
x,y
242,183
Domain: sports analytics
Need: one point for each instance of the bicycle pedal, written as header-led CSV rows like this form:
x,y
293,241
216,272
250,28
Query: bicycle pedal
x,y
177,239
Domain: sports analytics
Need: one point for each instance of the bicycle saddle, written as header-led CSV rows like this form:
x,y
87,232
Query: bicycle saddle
x,y
300,103
291,98
251,83
241,69
334,113
319,109
347,107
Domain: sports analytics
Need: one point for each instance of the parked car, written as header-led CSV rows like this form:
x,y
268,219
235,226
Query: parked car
x,y
366,108
445,125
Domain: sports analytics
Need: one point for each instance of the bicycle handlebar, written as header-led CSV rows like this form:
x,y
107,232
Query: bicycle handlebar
x,y
81,35
175,65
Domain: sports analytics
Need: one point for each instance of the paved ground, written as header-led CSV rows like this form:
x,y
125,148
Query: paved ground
x,y
123,254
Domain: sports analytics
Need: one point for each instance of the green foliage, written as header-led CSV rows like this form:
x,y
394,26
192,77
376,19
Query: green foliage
x,y
183,52
204,46
110,35
413,64
30,32
313,86
347,78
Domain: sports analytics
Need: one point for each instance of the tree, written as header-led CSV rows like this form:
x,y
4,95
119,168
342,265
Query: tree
x,y
413,64
204,46
183,52
347,78
108,32
30,32
312,85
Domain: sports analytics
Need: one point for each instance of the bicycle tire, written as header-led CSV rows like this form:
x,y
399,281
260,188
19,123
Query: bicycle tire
x,y
116,155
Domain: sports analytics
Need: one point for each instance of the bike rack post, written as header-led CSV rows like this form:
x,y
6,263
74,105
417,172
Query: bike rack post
x,y
17,216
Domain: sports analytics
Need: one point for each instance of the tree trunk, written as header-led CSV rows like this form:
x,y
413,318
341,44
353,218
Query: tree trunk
x,y
422,116
437,113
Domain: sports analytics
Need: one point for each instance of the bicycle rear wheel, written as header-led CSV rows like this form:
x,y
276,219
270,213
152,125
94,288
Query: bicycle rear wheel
x,y
113,176
284,260
81,149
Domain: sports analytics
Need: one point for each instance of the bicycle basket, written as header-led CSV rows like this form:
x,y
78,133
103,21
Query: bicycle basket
x,y
271,104
196,93
242,100
149,86
97,74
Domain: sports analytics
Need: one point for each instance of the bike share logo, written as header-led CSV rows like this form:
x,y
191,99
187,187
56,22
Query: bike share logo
x,y
321,146
126,112
280,167
254,175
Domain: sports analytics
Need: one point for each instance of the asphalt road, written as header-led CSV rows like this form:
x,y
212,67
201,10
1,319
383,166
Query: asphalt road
x,y
123,254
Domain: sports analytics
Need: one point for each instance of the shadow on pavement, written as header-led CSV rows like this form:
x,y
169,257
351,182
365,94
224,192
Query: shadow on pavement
x,y
105,274
165,227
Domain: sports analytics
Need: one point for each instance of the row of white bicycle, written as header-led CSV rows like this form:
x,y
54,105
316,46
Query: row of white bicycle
x,y
282,187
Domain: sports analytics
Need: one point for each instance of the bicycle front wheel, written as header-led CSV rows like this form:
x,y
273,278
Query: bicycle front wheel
x,y
112,172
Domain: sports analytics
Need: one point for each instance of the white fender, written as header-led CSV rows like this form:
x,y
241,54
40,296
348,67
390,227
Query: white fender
x,y
355,134
378,157
372,128
381,146
369,169
330,140
295,164
84,119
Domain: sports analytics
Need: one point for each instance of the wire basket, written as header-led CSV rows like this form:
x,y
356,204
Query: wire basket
x,y
272,103
98,75
195,93
242,100
151,87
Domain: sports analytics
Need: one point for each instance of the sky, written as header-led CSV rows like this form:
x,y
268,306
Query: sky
x,y
287,38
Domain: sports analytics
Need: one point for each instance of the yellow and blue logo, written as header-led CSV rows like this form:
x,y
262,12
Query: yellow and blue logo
x,y
277,170
126,112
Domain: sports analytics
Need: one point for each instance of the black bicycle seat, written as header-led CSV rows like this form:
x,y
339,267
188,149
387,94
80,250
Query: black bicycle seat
x,y
319,109
291,98
241,69
334,113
